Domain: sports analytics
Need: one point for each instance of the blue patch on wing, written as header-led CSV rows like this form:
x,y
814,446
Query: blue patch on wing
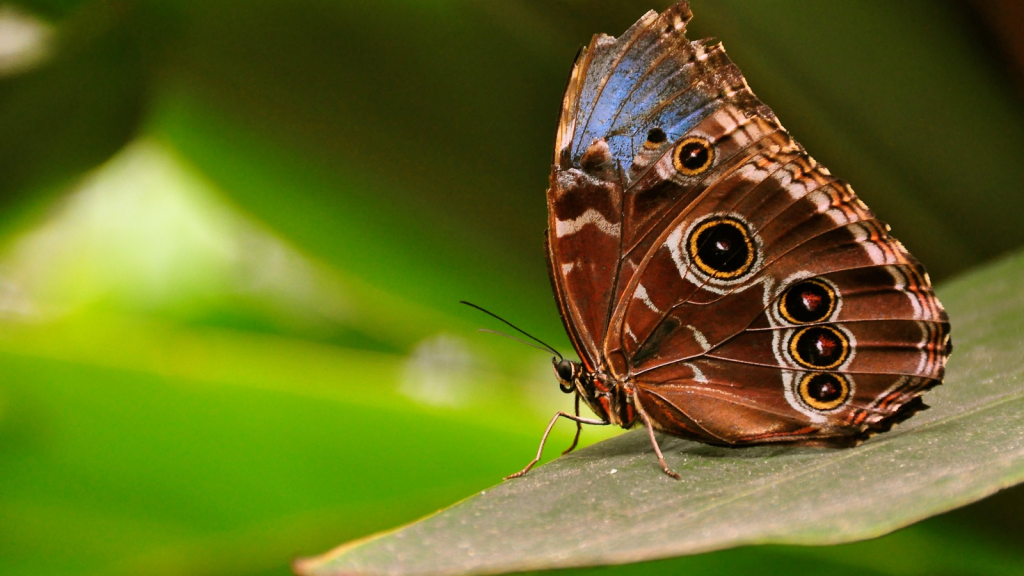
x,y
651,76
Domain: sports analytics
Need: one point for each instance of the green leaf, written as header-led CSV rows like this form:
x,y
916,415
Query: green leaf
x,y
610,503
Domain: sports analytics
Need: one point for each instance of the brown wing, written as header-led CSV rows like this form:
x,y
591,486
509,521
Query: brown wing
x,y
827,332
756,298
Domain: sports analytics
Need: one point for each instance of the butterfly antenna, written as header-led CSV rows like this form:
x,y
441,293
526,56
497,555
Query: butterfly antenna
x,y
545,345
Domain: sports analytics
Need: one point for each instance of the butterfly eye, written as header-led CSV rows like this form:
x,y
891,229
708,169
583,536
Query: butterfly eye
x,y
824,391
721,247
821,347
564,370
808,301
693,156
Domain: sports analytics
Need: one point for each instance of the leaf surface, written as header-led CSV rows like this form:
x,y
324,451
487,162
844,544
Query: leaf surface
x,y
610,504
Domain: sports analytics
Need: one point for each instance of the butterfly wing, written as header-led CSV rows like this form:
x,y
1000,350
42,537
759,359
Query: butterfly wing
x,y
651,75
752,296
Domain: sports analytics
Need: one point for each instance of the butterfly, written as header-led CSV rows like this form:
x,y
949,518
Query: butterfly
x,y
717,283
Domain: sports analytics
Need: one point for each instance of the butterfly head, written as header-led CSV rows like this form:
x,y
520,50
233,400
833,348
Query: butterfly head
x,y
606,397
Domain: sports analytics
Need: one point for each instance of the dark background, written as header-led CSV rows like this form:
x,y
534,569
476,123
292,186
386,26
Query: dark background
x,y
233,235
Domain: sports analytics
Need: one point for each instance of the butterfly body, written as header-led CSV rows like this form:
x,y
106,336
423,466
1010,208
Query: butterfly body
x,y
717,282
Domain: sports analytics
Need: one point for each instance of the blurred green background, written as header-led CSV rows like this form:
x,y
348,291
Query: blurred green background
x,y
233,235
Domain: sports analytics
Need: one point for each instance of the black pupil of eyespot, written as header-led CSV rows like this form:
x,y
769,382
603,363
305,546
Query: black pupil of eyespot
x,y
824,388
656,136
808,302
819,347
694,155
722,247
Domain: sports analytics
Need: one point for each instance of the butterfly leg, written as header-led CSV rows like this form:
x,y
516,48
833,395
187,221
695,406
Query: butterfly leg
x,y
650,432
579,429
544,439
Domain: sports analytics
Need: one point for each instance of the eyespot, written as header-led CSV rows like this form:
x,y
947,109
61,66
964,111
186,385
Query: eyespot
x,y
693,156
807,301
655,138
820,347
721,247
824,391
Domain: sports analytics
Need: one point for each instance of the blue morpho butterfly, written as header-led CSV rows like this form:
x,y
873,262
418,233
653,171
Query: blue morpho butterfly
x,y
717,283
